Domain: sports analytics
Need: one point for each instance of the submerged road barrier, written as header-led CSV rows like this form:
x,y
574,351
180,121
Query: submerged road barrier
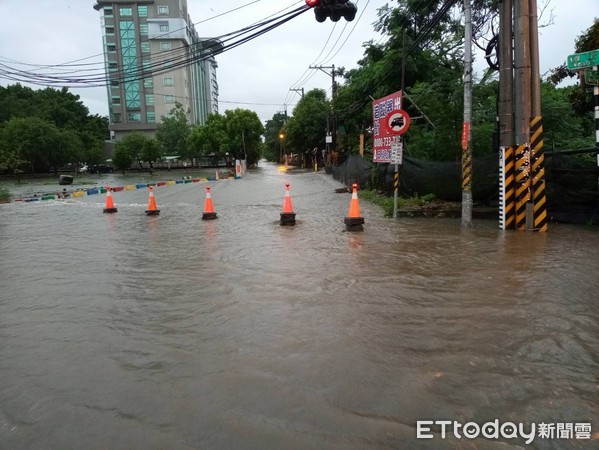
x,y
103,190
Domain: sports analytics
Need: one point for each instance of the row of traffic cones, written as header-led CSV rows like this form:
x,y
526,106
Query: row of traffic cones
x,y
153,209
353,222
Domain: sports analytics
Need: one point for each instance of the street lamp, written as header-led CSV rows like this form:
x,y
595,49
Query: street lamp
x,y
281,137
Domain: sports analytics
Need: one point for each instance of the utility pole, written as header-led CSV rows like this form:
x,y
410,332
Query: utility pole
x,y
507,192
466,147
538,202
399,138
298,90
331,123
522,176
522,113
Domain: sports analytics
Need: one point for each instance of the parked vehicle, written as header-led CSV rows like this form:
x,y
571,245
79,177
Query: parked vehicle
x,y
65,179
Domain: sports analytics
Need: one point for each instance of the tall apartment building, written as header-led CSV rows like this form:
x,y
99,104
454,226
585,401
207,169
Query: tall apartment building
x,y
155,58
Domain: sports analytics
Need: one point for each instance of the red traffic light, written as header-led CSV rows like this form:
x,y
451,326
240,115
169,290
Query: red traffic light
x,y
312,3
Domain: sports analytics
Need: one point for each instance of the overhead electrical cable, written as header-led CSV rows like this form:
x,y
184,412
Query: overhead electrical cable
x,y
161,64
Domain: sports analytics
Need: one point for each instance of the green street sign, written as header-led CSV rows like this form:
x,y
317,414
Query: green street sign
x,y
591,77
582,60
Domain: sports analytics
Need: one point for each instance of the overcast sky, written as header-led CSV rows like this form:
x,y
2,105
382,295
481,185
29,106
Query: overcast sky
x,y
256,75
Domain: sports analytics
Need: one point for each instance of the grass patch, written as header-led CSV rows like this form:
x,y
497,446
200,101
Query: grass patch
x,y
402,202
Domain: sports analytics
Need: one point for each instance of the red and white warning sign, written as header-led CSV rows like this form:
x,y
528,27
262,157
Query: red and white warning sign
x,y
398,122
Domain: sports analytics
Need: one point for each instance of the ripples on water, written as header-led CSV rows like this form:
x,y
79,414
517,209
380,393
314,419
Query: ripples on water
x,y
127,331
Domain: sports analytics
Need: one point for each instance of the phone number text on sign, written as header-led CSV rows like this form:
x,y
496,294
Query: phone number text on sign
x,y
381,108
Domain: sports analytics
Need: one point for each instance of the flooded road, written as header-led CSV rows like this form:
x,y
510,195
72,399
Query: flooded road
x,y
125,331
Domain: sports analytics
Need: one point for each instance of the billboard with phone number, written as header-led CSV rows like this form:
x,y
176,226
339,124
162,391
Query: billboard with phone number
x,y
381,108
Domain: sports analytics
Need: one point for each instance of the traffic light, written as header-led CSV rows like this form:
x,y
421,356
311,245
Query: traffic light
x,y
335,9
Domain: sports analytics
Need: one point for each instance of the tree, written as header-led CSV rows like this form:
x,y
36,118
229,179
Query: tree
x,y
210,138
10,159
78,132
132,145
581,96
151,151
34,141
245,134
272,140
307,127
122,158
173,132
237,133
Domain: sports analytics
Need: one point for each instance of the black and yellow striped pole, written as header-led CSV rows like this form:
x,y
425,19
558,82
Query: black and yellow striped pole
x,y
397,159
507,189
467,170
522,170
538,175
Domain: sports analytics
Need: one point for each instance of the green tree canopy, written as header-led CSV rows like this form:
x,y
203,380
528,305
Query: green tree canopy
x,y
136,146
73,131
173,132
237,132
272,141
33,140
306,128
245,134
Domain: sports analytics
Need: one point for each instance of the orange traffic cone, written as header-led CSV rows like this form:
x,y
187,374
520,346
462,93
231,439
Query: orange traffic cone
x,y
152,210
287,216
354,222
109,208
209,212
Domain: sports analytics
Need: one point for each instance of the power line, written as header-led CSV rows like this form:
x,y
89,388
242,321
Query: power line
x,y
157,67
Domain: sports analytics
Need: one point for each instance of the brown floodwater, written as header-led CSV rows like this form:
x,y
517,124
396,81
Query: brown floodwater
x,y
125,331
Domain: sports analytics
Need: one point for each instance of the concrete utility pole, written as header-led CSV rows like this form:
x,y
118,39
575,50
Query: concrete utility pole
x,y
596,108
506,75
331,123
298,90
507,192
522,113
399,138
466,147
535,70
522,198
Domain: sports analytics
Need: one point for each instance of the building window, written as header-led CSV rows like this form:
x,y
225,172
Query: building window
x,y
125,12
111,47
129,63
151,117
145,47
147,65
116,118
164,27
148,82
142,11
108,11
163,10
149,99
169,99
114,83
109,30
165,46
112,66
143,29
168,81
134,117
115,100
